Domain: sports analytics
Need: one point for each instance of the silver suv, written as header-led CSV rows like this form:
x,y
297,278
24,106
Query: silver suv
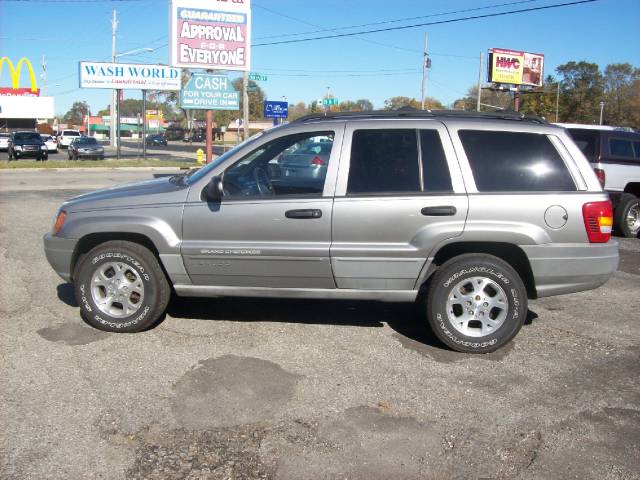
x,y
468,214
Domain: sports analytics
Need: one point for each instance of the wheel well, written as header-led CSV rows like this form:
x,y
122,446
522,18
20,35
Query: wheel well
x,y
86,243
508,252
633,188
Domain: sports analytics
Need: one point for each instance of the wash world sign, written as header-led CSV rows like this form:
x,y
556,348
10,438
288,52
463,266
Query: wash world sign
x,y
129,76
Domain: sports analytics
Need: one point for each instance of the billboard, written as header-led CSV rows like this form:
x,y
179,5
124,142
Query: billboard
x,y
212,34
14,75
26,107
516,67
129,76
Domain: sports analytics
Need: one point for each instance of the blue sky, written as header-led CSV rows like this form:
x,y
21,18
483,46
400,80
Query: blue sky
x,y
375,66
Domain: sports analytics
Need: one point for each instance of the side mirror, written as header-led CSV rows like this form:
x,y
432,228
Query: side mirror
x,y
213,190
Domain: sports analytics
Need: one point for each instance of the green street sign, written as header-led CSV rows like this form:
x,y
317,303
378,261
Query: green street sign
x,y
329,102
256,77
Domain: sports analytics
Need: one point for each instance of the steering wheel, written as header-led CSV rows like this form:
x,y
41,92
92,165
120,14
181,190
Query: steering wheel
x,y
263,182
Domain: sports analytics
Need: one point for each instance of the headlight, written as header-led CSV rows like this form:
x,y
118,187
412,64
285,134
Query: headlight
x,y
60,218
18,147
43,147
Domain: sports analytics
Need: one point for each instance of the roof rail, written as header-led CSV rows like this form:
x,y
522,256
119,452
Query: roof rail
x,y
412,113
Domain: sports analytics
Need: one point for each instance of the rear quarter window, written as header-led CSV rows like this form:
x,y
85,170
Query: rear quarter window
x,y
515,162
620,147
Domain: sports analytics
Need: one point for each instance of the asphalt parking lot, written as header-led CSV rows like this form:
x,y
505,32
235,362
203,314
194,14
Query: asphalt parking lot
x,y
240,388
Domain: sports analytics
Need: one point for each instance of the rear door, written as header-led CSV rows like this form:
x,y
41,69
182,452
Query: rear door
x,y
399,194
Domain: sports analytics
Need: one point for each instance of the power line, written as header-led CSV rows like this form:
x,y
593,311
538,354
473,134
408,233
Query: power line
x,y
439,22
384,22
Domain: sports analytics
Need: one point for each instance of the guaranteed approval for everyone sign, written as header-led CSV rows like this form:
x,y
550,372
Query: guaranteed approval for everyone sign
x,y
210,34
209,92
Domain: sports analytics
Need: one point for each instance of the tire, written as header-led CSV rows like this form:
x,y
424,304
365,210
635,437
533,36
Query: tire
x,y
489,328
627,216
69,155
127,273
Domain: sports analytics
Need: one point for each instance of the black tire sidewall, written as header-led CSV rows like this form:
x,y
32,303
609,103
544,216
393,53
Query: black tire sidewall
x,y
451,274
626,202
143,317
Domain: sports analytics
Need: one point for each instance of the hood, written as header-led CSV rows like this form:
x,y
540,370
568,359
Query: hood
x,y
160,191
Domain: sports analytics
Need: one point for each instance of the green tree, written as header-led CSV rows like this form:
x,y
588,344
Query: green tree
x,y
298,110
256,98
619,79
581,91
76,113
395,103
364,104
492,100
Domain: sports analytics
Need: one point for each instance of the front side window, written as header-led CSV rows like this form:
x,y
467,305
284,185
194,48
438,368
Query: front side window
x,y
620,148
290,165
515,162
587,142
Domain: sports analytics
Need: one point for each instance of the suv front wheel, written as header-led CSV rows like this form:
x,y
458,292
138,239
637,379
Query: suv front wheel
x,y
476,303
120,287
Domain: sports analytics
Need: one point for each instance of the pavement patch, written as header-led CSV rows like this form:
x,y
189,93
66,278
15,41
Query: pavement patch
x,y
232,390
72,334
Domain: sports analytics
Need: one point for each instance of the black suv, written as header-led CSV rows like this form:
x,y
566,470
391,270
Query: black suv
x,y
27,145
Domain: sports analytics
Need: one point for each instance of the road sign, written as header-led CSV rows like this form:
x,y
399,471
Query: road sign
x,y
328,102
276,109
256,77
209,92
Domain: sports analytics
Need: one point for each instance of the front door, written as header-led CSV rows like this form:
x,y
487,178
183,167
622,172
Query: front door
x,y
273,225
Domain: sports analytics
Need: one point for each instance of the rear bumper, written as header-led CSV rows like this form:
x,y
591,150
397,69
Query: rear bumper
x,y
59,252
569,268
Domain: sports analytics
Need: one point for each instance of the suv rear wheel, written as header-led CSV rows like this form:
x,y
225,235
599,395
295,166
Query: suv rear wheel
x,y
120,287
627,215
476,303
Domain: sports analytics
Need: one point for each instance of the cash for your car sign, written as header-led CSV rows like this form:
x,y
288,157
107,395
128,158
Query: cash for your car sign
x,y
276,109
129,76
210,34
209,92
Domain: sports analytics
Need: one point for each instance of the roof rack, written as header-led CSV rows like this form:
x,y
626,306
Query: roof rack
x,y
412,113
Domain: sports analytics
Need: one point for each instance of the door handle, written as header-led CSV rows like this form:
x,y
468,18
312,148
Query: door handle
x,y
439,211
304,213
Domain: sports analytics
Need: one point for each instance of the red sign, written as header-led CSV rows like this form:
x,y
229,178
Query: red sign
x,y
18,92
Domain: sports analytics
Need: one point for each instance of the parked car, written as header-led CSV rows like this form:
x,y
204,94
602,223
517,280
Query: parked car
x,y
469,215
85,147
26,144
196,137
156,140
66,137
4,141
615,157
49,141
307,161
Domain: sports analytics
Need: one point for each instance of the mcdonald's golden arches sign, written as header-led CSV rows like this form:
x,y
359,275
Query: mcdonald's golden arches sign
x,y
14,76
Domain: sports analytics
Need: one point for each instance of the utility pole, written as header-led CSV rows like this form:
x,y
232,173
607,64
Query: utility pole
x,y
557,99
245,103
602,104
479,84
426,63
43,75
113,109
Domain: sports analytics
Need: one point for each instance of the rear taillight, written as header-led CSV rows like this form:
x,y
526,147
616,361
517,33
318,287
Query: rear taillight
x,y
601,175
598,221
317,161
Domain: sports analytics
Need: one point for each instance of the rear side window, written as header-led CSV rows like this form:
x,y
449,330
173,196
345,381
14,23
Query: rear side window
x,y
391,161
621,148
514,162
636,145
587,142
384,161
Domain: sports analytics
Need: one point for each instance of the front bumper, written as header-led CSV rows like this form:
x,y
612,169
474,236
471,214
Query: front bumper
x,y
94,154
30,153
59,253
568,268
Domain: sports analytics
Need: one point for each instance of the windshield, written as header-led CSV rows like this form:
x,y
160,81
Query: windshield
x,y
45,138
207,168
70,133
87,140
26,136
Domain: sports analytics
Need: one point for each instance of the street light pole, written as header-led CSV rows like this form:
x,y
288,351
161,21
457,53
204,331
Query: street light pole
x,y
479,84
112,110
425,57
557,99
602,104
